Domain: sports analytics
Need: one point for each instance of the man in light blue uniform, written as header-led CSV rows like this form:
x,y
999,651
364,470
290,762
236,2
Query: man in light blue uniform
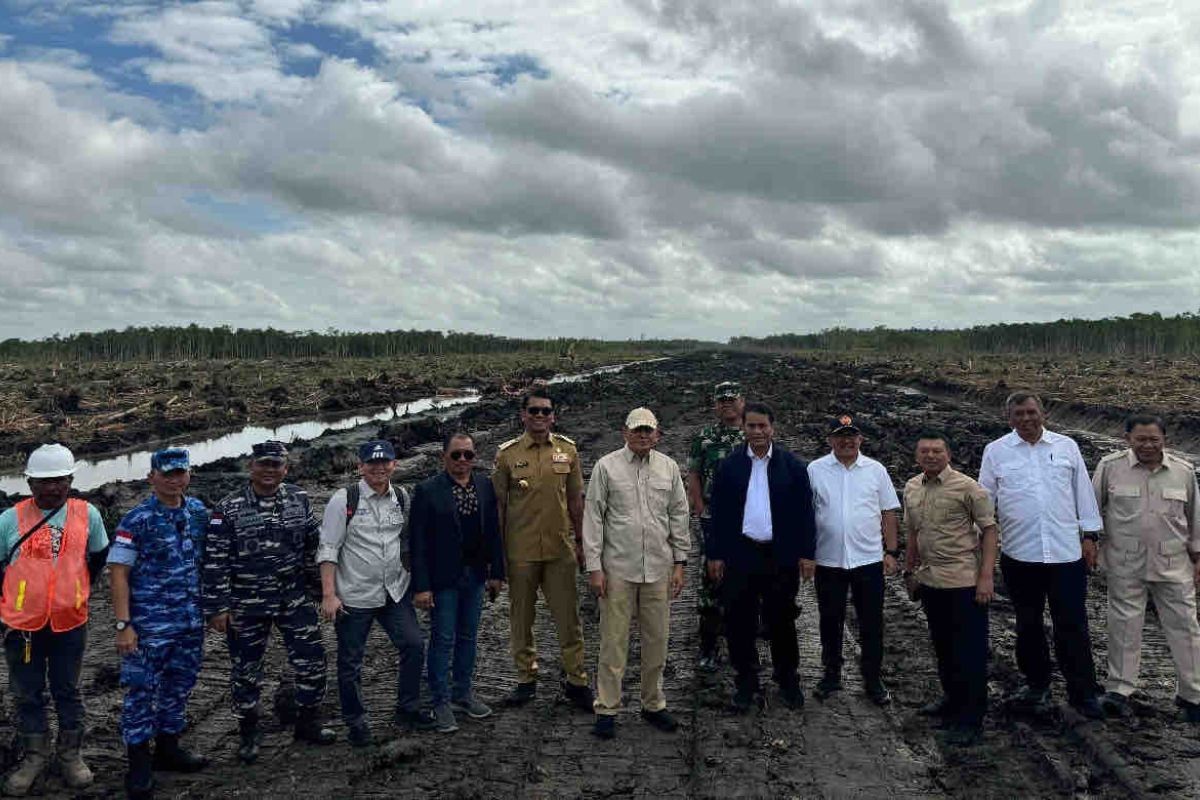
x,y
155,566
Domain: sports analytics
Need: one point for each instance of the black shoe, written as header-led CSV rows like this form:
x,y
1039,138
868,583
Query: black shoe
x,y
743,699
416,721
170,757
309,729
521,695
1191,711
359,734
605,726
1114,704
139,779
877,693
1089,707
579,696
831,682
1031,700
964,735
247,751
793,696
661,719
936,708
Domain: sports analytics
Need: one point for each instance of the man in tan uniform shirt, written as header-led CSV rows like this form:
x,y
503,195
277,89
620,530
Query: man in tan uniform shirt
x,y
952,543
1152,546
539,489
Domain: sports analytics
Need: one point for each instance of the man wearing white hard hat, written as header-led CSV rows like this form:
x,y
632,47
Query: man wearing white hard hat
x,y
635,546
54,546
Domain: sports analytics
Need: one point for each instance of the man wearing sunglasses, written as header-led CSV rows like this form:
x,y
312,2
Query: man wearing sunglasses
x,y
539,489
635,543
456,552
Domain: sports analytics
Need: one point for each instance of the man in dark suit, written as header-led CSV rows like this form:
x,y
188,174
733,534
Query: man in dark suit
x,y
457,552
764,539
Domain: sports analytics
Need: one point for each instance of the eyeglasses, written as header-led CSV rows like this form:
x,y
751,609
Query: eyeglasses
x,y
544,411
644,430
462,455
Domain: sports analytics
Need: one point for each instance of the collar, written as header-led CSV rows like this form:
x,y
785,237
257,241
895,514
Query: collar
x,y
527,440
158,505
365,490
1048,436
940,477
767,457
1133,462
252,497
630,456
449,479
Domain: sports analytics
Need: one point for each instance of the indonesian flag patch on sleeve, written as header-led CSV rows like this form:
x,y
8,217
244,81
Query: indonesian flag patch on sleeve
x,y
124,537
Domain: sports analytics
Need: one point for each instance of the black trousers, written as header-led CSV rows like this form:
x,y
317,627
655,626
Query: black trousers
x,y
755,579
958,627
1030,586
865,586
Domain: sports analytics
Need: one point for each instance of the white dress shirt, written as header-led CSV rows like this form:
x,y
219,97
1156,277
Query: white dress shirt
x,y
1043,496
849,503
756,520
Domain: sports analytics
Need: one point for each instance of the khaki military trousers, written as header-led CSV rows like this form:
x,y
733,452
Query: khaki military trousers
x,y
1176,606
651,603
556,579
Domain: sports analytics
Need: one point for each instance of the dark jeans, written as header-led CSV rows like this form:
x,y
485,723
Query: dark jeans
x,y
1030,586
756,578
958,627
865,586
399,621
57,656
453,624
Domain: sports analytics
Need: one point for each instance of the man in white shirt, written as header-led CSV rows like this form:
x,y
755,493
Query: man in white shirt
x,y
856,507
1044,498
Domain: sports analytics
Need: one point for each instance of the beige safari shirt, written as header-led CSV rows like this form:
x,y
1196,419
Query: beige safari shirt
x,y
1151,519
533,482
635,518
947,514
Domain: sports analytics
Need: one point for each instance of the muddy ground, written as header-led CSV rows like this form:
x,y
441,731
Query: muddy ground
x,y
842,748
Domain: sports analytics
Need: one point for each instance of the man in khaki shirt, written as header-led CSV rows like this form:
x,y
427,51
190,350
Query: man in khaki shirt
x,y
952,542
1152,546
539,491
635,545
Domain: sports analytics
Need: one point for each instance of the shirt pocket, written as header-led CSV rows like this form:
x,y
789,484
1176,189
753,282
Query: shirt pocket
x,y
1015,476
1062,472
1124,502
658,495
1174,504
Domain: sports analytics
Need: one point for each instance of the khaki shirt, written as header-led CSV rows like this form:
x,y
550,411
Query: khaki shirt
x,y
1151,519
532,484
947,513
635,518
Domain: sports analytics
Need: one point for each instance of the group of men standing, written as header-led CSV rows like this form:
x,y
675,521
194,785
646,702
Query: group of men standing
x,y
261,559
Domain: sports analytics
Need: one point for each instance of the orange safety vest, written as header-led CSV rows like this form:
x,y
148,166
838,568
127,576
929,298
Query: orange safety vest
x,y
39,589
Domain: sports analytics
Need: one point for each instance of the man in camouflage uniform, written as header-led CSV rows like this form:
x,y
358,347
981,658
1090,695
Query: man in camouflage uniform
x,y
711,445
155,568
260,571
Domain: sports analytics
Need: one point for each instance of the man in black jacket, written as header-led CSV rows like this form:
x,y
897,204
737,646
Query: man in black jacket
x,y
456,552
764,539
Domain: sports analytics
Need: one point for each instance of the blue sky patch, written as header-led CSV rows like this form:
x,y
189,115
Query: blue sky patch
x,y
247,216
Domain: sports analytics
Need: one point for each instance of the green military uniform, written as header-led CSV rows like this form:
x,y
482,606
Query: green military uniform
x,y
711,445
533,482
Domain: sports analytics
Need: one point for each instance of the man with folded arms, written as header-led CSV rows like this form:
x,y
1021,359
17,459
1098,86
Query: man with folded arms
x,y
635,545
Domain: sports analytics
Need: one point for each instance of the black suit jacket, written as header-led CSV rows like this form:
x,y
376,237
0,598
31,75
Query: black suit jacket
x,y
793,522
436,534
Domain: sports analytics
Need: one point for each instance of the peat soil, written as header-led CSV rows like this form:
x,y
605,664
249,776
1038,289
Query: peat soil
x,y
844,747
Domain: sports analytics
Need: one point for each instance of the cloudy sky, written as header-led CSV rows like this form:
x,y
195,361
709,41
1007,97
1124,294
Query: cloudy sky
x,y
614,169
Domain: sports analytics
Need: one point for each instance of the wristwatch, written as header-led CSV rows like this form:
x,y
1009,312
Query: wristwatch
x,y
121,625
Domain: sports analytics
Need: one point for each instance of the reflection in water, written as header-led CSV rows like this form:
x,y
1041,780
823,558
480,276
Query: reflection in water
x,y
135,465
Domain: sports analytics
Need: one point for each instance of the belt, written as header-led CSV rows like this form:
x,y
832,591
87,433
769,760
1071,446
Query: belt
x,y
767,545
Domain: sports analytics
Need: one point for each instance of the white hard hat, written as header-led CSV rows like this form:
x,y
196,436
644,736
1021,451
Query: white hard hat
x,y
50,461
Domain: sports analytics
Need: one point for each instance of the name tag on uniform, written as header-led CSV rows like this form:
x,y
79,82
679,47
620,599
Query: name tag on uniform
x,y
560,458
394,517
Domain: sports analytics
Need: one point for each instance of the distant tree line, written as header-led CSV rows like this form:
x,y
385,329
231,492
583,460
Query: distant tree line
x,y
195,342
1138,334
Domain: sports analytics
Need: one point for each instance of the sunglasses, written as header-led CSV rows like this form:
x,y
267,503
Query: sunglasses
x,y
543,411
462,455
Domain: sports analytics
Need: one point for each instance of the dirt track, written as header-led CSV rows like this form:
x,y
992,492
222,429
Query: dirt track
x,y
842,748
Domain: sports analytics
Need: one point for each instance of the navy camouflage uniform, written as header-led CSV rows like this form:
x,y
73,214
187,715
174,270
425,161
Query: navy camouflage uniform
x,y
162,546
260,567
712,444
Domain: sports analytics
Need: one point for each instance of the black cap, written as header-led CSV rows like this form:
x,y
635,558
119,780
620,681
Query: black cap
x,y
843,424
269,451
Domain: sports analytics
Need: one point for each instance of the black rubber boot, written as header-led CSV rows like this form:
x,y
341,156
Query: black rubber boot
x,y
309,729
139,779
247,751
169,756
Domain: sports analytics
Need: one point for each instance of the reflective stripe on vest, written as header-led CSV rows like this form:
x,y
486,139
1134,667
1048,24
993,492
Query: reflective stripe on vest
x,y
37,588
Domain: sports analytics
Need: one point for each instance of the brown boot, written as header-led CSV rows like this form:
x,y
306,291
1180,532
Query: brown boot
x,y
74,772
22,779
